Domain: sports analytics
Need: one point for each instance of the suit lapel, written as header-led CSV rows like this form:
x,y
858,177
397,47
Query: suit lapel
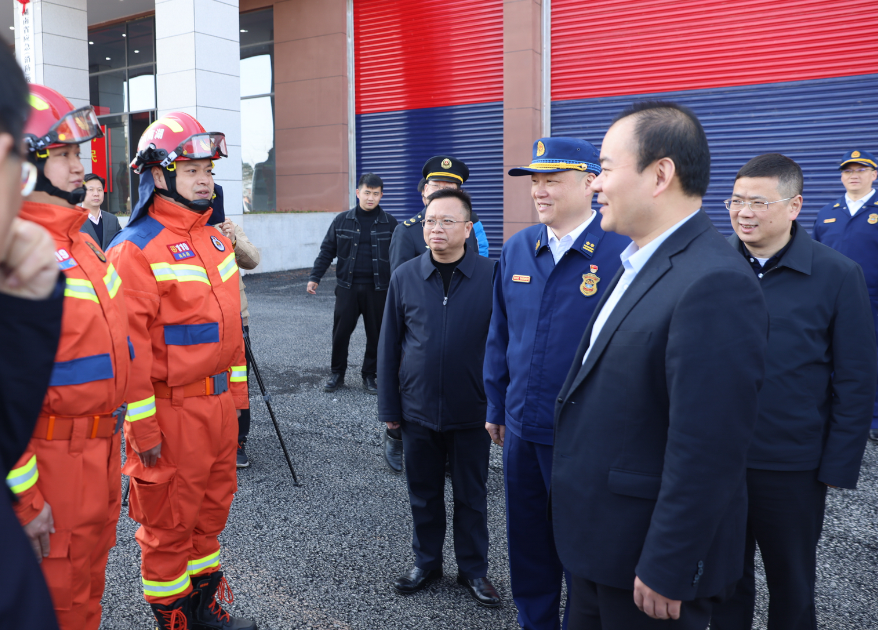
x,y
89,228
109,225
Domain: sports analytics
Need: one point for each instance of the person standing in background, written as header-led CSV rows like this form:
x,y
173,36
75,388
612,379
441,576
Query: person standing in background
x,y
102,226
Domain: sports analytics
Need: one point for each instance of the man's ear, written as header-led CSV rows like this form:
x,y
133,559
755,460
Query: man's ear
x,y
664,170
158,175
6,144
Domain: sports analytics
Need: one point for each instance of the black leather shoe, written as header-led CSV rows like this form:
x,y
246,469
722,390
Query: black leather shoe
x,y
482,591
873,435
370,385
335,381
392,453
416,580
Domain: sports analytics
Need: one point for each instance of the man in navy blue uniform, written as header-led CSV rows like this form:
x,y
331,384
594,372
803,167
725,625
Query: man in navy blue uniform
x,y
816,403
547,288
850,226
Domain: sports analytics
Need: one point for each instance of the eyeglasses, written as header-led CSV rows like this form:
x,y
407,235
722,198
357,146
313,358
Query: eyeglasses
x,y
440,184
851,171
28,178
443,223
756,206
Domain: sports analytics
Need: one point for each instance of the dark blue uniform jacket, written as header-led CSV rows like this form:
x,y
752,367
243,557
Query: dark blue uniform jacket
x,y
815,406
540,313
432,348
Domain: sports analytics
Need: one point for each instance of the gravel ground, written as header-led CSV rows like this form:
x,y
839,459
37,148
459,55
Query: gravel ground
x,y
325,555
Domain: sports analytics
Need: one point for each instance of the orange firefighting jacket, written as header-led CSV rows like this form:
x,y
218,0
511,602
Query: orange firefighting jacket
x,y
184,309
91,372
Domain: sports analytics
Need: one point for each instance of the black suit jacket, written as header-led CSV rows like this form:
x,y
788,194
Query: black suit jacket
x,y
651,434
111,227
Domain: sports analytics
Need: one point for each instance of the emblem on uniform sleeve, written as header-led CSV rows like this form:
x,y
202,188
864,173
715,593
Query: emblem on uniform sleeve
x,y
97,251
181,251
446,163
589,284
217,243
873,218
64,259
541,148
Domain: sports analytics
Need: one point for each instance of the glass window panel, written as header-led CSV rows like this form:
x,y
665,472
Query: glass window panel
x,y
108,92
106,48
257,154
141,88
116,197
257,27
141,41
257,70
138,124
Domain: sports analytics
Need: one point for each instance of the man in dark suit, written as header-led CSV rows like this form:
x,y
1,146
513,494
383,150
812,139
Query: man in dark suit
x,y
815,408
102,226
653,423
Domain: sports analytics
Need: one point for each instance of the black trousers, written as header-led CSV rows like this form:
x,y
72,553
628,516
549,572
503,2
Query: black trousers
x,y
244,420
360,299
785,518
600,607
467,450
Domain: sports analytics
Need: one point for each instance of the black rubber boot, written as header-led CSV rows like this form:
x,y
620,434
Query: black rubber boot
x,y
393,453
207,613
176,616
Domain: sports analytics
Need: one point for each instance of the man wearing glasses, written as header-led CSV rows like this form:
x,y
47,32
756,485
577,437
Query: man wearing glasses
x,y
816,401
430,357
850,225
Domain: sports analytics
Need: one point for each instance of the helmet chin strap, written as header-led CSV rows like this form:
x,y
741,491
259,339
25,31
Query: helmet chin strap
x,y
73,197
199,205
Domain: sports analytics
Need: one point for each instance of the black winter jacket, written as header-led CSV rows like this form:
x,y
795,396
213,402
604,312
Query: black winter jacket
x,y
432,348
342,239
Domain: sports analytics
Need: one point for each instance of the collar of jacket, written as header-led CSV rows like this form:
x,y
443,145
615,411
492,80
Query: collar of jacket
x,y
175,217
381,218
593,234
466,265
62,222
798,257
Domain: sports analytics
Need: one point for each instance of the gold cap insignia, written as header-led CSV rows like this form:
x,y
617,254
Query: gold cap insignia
x,y
446,163
541,148
873,219
589,284
855,154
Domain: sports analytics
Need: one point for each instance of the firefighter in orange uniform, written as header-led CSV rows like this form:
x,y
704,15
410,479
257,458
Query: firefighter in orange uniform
x,y
68,482
188,374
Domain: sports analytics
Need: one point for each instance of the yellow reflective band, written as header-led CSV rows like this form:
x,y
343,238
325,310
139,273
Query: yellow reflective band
x,y
170,123
200,564
227,267
21,479
180,273
80,289
443,174
37,103
164,589
112,280
551,166
239,374
140,409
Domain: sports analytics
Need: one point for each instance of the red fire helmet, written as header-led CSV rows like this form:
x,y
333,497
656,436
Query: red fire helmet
x,y
53,121
177,136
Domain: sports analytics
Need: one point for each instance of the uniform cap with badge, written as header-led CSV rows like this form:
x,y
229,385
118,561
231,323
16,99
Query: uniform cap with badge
x,y
444,168
858,157
553,155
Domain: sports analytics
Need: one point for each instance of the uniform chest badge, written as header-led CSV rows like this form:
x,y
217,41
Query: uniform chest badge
x,y
181,251
217,243
873,219
589,284
593,268
520,278
829,220
64,259
97,252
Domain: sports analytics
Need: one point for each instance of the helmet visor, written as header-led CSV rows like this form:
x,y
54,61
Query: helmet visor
x,y
209,145
76,127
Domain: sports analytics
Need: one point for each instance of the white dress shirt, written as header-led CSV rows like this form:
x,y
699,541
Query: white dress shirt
x,y
854,206
633,260
559,247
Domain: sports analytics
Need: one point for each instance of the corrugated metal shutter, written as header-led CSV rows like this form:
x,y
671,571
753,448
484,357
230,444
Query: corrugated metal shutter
x,y
812,122
619,47
429,80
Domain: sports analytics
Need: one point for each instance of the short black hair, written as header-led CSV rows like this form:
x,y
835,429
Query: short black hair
x,y
421,184
669,130
14,102
370,180
91,177
790,180
458,193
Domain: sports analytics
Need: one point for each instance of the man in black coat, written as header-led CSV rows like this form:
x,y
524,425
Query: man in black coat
x,y
430,387
816,405
102,226
653,423
31,299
